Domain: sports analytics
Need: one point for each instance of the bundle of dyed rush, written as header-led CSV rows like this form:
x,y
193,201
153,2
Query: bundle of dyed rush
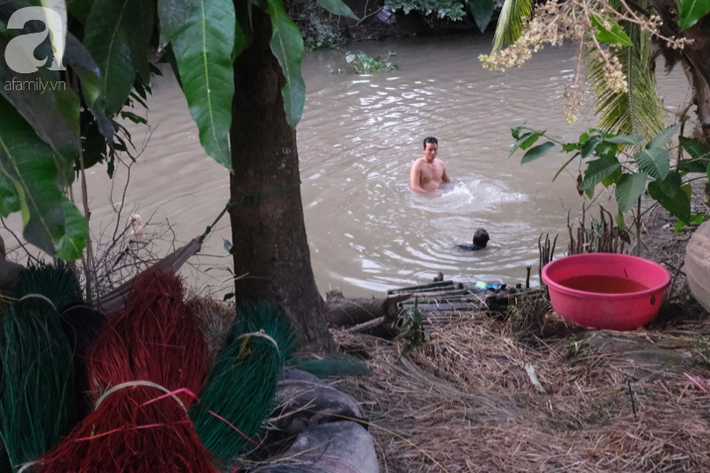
x,y
239,394
147,365
37,392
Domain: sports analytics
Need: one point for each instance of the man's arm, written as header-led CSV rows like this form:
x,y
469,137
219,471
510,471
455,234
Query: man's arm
x,y
444,175
415,178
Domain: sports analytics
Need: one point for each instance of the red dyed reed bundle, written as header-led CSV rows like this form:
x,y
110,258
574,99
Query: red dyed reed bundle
x,y
151,346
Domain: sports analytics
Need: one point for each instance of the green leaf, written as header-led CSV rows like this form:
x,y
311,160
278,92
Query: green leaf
x,y
107,37
613,178
203,48
632,140
29,163
513,131
52,108
671,185
598,170
678,206
614,36
707,171
338,7
174,17
526,140
628,190
79,9
695,148
73,242
568,147
287,46
482,11
141,31
620,222
690,11
590,145
663,137
654,161
537,152
9,200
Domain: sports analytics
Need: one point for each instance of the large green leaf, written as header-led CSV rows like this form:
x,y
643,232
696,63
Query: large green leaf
x,y
203,49
690,11
81,62
174,17
699,154
628,190
107,37
338,7
598,170
678,205
663,137
615,35
79,9
671,185
631,140
482,11
71,245
287,45
537,152
513,16
29,163
656,162
9,200
46,103
141,30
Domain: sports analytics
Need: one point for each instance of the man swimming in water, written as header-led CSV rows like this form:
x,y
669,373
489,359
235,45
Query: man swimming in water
x,y
427,172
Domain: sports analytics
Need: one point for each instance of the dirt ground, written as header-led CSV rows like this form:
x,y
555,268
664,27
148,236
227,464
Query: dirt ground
x,y
522,391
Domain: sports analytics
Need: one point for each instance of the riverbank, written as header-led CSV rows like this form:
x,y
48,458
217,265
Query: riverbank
x,y
488,393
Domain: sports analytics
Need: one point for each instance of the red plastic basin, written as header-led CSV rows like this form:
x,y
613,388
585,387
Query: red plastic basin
x,y
606,290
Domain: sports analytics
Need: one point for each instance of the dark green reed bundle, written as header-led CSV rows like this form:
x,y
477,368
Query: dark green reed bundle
x,y
56,282
241,386
37,393
37,384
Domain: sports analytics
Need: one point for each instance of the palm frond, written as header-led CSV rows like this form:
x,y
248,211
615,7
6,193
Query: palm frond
x,y
638,110
512,17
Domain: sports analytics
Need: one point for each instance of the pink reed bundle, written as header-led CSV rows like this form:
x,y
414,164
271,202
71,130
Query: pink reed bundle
x,y
148,364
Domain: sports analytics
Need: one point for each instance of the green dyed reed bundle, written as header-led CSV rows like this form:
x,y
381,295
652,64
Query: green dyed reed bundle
x,y
241,387
56,282
37,384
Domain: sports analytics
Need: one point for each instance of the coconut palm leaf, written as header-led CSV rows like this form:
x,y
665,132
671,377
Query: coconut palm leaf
x,y
638,110
512,17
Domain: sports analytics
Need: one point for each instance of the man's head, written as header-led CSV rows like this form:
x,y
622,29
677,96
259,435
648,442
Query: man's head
x,y
431,148
480,238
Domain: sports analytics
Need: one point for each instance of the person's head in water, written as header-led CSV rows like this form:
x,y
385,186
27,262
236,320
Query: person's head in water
x,y
480,239
431,148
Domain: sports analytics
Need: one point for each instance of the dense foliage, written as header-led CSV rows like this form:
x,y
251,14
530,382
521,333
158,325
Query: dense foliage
x,y
95,65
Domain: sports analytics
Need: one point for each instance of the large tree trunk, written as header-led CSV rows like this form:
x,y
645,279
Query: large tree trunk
x,y
268,229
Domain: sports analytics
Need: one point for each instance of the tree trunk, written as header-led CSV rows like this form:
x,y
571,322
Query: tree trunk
x,y
268,229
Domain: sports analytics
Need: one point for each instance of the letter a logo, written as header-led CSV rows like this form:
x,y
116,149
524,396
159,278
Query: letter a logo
x,y
20,51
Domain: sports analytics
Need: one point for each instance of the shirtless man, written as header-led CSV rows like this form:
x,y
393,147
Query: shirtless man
x,y
427,174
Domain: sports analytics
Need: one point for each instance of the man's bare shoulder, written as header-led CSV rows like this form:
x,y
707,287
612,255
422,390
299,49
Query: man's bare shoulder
x,y
418,162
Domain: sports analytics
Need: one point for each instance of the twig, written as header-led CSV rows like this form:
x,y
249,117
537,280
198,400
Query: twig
x,y
367,325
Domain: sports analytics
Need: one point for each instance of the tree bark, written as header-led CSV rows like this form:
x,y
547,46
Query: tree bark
x,y
268,228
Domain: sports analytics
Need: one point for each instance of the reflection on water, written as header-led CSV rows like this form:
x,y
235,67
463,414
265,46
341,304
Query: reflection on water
x,y
357,140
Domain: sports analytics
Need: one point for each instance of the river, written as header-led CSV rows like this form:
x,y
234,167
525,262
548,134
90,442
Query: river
x,y
358,137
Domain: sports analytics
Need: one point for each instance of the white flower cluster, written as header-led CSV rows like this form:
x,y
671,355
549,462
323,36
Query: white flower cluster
x,y
551,24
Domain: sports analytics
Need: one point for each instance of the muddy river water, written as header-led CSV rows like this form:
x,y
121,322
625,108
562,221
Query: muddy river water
x,y
358,137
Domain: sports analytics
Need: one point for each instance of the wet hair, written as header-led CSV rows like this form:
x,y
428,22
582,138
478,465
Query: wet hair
x,y
480,239
432,140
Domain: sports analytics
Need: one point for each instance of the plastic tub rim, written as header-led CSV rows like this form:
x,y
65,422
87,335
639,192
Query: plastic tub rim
x,y
625,295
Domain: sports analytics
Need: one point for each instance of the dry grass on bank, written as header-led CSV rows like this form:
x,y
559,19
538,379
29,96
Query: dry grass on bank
x,y
466,403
